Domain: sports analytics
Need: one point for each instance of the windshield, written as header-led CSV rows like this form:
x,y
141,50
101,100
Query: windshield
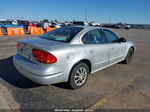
x,y
65,34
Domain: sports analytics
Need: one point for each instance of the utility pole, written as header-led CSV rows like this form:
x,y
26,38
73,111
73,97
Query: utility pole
x,y
85,15
109,20
37,17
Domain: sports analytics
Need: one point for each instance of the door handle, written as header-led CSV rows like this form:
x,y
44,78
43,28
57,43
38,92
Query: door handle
x,y
91,50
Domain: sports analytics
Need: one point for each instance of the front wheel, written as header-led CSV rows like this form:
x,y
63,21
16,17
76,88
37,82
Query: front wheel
x,y
129,56
78,76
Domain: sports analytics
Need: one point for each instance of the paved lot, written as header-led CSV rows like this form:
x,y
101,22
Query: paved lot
x,y
117,87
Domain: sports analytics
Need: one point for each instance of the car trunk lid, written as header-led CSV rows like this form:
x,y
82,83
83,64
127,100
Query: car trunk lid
x,y
41,42
26,46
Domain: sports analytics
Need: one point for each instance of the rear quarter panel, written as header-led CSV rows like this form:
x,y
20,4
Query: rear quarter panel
x,y
67,57
68,54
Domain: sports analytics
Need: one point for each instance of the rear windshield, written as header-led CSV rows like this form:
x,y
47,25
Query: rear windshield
x,y
65,34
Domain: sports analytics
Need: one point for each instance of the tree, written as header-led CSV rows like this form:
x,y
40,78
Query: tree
x,y
56,21
45,20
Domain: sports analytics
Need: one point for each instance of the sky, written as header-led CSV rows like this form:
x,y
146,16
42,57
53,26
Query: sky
x,y
100,11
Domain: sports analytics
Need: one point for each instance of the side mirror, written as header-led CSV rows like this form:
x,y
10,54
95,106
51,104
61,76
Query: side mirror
x,y
121,40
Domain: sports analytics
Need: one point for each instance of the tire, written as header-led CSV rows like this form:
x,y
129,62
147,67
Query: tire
x,y
25,30
78,76
129,56
4,30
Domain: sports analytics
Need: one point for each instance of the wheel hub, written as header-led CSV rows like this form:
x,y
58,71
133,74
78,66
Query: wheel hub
x,y
80,76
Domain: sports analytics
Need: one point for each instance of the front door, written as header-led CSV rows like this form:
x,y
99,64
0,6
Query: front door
x,y
117,50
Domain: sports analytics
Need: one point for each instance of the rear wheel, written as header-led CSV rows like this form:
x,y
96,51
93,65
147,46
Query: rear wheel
x,y
78,76
129,56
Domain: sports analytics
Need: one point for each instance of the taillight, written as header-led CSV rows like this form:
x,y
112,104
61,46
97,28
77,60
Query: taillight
x,y
43,57
17,46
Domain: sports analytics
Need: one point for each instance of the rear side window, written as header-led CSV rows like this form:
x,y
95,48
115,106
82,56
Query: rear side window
x,y
111,36
94,37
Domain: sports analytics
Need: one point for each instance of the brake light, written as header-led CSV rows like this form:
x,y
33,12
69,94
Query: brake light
x,y
43,57
17,46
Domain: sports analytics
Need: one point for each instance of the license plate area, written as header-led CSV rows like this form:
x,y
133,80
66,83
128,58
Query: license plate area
x,y
24,51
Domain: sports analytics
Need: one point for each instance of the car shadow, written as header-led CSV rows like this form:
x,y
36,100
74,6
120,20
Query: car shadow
x,y
9,74
62,85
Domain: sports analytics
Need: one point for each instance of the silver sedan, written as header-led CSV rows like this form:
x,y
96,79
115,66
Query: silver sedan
x,y
70,54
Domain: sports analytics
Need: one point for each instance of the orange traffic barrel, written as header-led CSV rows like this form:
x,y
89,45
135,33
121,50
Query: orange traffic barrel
x,y
1,32
15,31
50,29
29,27
35,31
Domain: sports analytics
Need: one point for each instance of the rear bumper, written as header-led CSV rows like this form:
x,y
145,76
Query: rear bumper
x,y
38,73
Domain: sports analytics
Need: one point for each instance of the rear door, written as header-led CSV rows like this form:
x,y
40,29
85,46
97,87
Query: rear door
x,y
96,48
117,50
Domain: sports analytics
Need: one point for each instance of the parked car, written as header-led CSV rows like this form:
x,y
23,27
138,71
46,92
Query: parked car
x,y
69,24
80,23
121,25
26,23
60,25
44,25
107,25
70,54
13,21
94,24
4,24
